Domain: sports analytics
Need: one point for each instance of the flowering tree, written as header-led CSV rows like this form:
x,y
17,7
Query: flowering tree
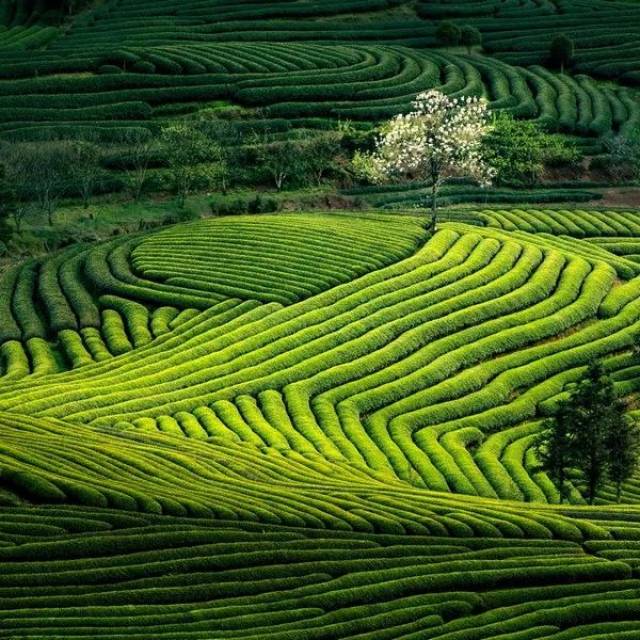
x,y
441,138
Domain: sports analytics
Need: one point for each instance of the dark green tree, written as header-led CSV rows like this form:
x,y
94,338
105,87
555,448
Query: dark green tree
x,y
554,447
623,448
228,138
193,159
281,161
561,52
448,34
470,37
589,429
16,183
319,154
48,166
85,169
597,413
140,152
624,156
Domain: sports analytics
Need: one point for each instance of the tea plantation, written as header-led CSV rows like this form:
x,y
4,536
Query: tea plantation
x,y
313,423
315,426
124,64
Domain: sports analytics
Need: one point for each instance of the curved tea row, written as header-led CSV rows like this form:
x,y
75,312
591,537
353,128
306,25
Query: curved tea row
x,y
92,303
404,370
95,573
314,427
295,83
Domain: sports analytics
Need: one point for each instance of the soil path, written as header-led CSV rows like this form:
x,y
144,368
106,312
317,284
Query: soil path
x,y
620,197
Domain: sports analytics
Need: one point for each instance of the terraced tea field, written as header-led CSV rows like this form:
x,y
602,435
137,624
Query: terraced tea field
x,y
309,426
129,64
315,426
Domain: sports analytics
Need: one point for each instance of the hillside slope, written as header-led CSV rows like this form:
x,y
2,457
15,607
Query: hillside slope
x,y
346,452
129,65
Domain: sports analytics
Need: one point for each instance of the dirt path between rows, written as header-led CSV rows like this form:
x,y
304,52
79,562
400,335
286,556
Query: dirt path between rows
x,y
619,197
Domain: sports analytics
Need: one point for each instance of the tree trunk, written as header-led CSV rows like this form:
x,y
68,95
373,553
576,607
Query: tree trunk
x,y
434,198
86,191
17,221
592,486
618,491
435,185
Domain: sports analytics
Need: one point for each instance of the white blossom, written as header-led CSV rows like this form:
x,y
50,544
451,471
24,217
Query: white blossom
x,y
441,138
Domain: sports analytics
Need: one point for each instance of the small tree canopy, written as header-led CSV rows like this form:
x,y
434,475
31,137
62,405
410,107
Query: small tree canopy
x,y
561,52
448,34
624,156
319,155
595,413
554,446
140,151
281,160
16,184
85,169
192,157
623,447
520,151
42,171
470,37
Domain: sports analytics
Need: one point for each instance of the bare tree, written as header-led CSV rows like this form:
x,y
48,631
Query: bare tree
x,y
140,147
85,168
16,162
194,159
48,167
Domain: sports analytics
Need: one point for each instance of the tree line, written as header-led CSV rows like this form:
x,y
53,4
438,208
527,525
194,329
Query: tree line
x,y
442,138
187,156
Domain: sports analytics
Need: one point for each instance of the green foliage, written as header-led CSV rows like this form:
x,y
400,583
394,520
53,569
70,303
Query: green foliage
x,y
623,453
623,161
281,161
320,154
561,52
588,433
521,151
85,169
555,446
470,37
192,158
448,34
